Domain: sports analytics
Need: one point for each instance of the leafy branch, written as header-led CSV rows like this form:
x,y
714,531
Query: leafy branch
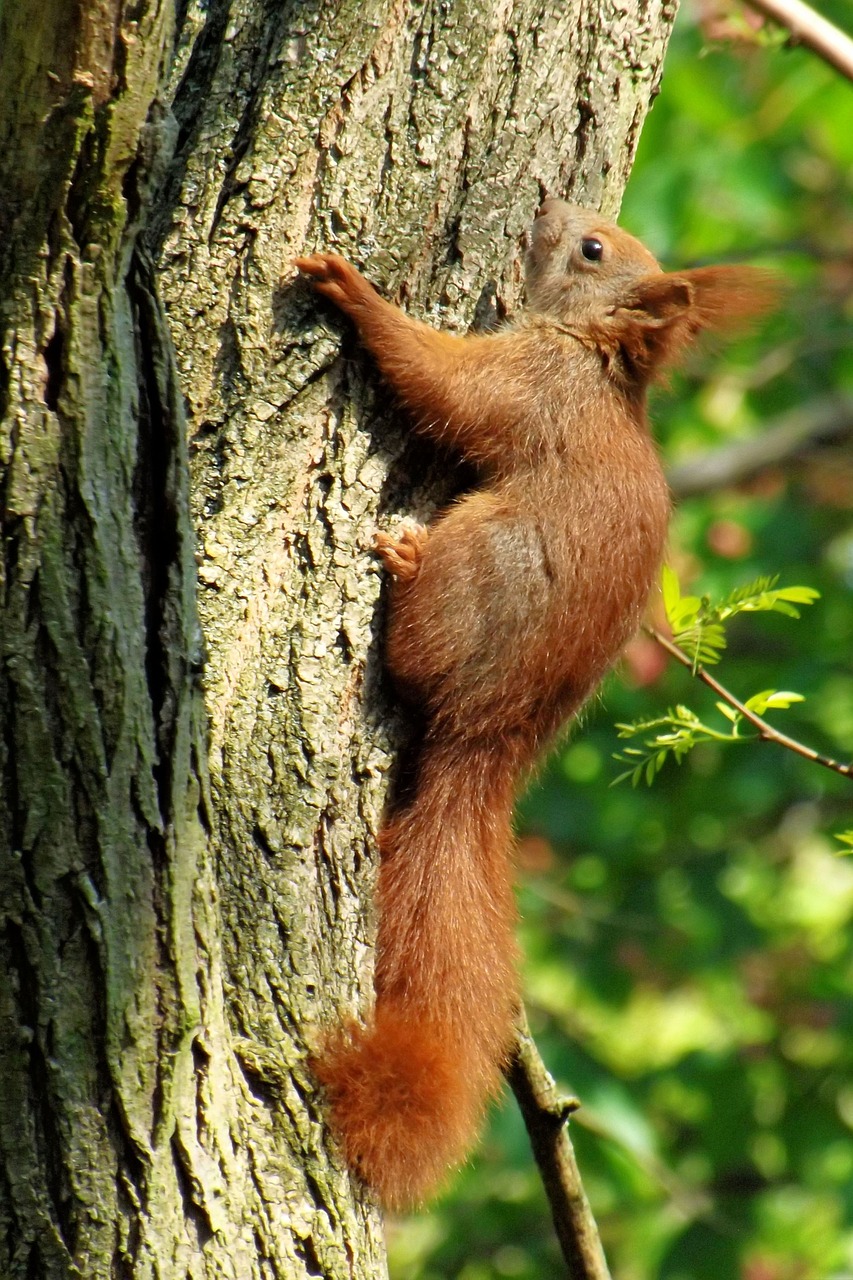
x,y
697,624
698,641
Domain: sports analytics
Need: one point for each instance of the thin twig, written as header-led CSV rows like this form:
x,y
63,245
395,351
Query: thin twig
x,y
765,731
546,1116
811,29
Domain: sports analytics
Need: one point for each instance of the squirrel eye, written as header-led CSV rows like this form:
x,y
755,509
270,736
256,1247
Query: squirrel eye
x,y
592,250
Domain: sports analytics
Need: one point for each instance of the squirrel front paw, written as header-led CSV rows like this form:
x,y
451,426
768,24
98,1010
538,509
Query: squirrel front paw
x,y
333,277
402,555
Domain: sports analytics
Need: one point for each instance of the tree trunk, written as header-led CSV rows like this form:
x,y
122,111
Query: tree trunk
x,y
186,890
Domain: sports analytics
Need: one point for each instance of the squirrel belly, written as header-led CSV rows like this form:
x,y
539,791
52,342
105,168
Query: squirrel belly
x,y
503,618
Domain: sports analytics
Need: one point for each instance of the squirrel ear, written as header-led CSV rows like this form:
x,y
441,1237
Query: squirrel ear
x,y
652,324
659,300
663,313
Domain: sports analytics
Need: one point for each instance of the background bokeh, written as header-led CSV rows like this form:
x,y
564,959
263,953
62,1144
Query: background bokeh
x,y
688,963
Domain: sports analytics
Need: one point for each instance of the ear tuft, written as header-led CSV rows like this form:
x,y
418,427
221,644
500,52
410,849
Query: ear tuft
x,y
728,298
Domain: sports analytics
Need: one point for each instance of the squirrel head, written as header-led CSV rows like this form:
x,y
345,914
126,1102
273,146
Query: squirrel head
x,y
592,275
579,264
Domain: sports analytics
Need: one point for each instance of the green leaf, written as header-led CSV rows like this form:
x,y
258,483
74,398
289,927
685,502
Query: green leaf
x,y
670,589
762,596
681,610
778,698
703,643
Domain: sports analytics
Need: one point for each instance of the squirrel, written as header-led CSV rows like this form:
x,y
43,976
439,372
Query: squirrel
x,y
504,615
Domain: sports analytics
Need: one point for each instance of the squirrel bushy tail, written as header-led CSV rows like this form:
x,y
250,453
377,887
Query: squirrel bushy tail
x,y
407,1092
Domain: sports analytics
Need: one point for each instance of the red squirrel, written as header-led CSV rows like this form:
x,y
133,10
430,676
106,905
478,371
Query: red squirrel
x,y
504,615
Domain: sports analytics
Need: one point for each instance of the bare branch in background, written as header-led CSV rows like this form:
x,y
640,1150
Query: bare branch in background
x,y
822,422
811,29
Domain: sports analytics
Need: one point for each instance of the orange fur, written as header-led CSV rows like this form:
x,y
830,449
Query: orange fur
x,y
386,1084
504,616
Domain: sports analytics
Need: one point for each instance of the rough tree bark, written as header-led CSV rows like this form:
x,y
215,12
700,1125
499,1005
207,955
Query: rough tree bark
x,y
185,889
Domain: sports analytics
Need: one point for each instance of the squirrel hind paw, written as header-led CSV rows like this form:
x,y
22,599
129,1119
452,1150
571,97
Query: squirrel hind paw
x,y
399,1104
402,555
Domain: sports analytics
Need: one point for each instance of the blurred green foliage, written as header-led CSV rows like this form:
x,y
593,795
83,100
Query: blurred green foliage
x,y
688,948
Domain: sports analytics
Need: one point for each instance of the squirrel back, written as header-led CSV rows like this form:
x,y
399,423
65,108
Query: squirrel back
x,y
504,616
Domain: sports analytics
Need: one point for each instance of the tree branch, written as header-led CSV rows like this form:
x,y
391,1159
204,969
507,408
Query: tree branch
x,y
819,423
545,1116
765,731
811,29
